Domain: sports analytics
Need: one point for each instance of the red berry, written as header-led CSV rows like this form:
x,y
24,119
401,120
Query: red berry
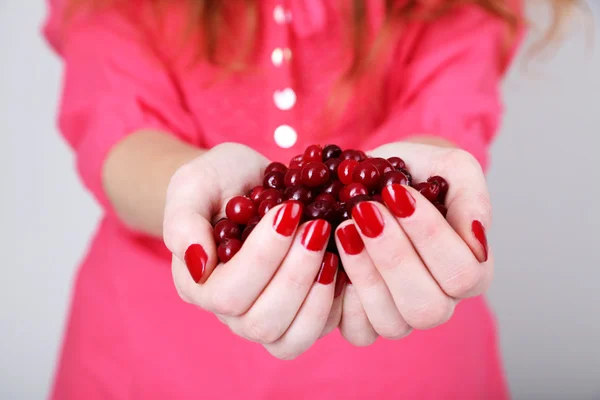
x,y
352,155
408,175
339,213
270,194
254,220
299,193
328,197
355,200
274,180
345,171
265,206
431,191
352,190
441,208
315,174
313,153
367,174
276,167
317,210
255,193
443,184
331,151
240,209
225,229
377,198
228,248
247,231
397,163
420,186
382,165
394,177
333,188
292,177
297,162
332,164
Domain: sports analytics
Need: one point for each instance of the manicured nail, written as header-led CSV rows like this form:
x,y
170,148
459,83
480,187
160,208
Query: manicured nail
x,y
287,218
368,218
340,283
195,260
399,200
350,239
479,232
316,235
328,268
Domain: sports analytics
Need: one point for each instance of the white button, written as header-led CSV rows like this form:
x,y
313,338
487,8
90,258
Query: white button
x,y
284,99
279,54
279,15
285,136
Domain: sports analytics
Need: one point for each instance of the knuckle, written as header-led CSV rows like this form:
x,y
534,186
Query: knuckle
x,y
174,228
224,302
460,157
430,314
463,282
262,330
297,281
359,339
393,330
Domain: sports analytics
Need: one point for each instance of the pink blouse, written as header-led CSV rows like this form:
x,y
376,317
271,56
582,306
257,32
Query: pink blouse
x,y
129,336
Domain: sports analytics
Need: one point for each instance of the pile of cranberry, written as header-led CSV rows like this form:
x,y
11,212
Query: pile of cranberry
x,y
329,182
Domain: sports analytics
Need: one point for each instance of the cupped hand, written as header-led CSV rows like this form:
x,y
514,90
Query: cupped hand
x,y
278,289
408,265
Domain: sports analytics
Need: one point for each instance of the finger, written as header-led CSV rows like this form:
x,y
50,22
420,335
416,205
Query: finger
x,y
375,296
312,316
448,258
335,316
235,285
421,302
275,309
355,326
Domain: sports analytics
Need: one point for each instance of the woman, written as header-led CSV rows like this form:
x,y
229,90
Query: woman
x,y
188,101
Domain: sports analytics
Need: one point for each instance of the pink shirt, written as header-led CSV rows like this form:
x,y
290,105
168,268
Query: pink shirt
x,y
129,336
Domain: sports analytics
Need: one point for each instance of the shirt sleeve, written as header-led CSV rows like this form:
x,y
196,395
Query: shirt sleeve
x,y
114,84
450,85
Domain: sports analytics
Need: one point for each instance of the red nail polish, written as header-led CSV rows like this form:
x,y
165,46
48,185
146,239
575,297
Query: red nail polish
x,y
399,200
328,268
479,232
340,283
287,218
350,239
195,260
368,218
316,235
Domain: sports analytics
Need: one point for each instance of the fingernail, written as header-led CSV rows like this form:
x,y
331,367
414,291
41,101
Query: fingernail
x,y
328,268
399,200
368,218
350,239
195,260
340,283
316,235
479,232
287,218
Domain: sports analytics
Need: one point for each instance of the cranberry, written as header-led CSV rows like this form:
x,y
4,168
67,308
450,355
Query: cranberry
x,y
313,153
247,231
420,186
292,177
297,162
367,174
408,175
443,184
352,190
299,193
328,197
333,188
315,174
274,180
253,221
265,206
345,171
377,197
339,213
317,210
382,165
275,167
228,248
397,163
255,193
355,200
332,164
351,155
441,208
431,191
225,229
331,151
394,177
240,209
270,194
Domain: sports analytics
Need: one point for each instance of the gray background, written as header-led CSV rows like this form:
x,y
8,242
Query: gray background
x,y
544,183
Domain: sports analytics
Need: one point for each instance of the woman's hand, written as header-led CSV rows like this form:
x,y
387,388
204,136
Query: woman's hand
x,y
408,265
278,289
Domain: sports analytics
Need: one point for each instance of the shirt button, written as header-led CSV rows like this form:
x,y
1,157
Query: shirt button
x,y
279,15
285,136
284,99
279,54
